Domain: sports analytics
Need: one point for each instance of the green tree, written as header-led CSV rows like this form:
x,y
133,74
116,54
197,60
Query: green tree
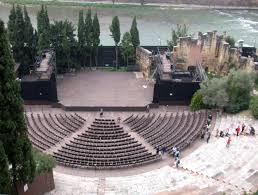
x,y
11,25
81,39
5,181
254,106
135,33
115,34
88,34
230,40
64,44
214,92
180,31
19,36
43,29
126,47
13,130
95,36
196,101
29,41
239,86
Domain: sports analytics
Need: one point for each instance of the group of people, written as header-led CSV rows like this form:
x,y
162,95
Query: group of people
x,y
161,149
175,153
240,130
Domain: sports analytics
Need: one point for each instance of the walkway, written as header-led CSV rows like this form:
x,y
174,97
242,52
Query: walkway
x,y
210,169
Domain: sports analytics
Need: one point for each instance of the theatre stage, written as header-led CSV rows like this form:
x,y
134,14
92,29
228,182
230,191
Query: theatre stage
x,y
104,89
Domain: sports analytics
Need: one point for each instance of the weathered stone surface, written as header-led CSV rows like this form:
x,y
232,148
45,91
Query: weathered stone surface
x,y
210,50
145,61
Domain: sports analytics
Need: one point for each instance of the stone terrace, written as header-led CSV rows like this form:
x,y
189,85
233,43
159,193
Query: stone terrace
x,y
210,169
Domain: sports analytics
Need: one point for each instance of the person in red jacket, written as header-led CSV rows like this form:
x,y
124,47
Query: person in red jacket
x,y
238,130
228,142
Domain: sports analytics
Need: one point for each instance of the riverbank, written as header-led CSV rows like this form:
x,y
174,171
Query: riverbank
x,y
109,4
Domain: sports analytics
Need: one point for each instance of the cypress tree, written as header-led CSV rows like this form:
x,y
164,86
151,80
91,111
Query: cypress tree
x,y
96,34
11,25
126,47
81,39
19,36
43,29
64,44
5,182
115,34
29,42
13,130
88,34
135,33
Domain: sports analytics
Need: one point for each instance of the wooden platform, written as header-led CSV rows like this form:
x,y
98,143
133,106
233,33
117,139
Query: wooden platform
x,y
90,91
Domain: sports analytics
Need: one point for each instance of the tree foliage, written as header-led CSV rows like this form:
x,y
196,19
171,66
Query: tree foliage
x,y
95,36
196,101
11,25
239,86
135,33
43,25
64,44
254,106
126,47
5,180
30,42
43,161
214,92
13,130
180,31
115,34
19,36
89,34
231,92
230,40
81,39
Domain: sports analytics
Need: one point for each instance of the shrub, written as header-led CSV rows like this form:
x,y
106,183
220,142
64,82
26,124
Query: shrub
x,y
254,106
230,40
196,102
239,86
43,161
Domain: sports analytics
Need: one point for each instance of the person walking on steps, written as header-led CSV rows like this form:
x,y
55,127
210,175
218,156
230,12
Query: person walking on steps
x,y
238,130
228,142
177,162
208,136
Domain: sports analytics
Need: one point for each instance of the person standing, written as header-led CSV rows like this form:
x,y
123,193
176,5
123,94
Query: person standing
x,y
157,150
177,162
208,136
238,130
228,142
243,128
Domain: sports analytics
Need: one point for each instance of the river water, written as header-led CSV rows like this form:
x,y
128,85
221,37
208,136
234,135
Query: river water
x,y
156,23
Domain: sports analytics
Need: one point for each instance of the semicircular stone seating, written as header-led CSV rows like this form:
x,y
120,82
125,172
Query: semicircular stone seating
x,y
174,129
46,130
104,145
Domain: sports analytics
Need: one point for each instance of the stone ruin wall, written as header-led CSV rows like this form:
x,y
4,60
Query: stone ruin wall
x,y
210,50
144,59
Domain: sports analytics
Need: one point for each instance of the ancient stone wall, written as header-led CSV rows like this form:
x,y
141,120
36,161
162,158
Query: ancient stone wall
x,y
210,50
144,59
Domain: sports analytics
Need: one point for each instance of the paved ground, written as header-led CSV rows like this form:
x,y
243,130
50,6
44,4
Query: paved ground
x,y
104,89
209,169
